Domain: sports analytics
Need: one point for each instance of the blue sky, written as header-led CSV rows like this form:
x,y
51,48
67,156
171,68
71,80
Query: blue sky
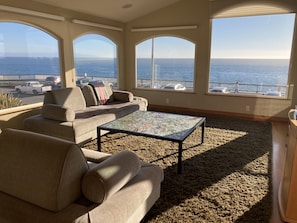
x,y
166,47
253,37
242,37
26,41
93,45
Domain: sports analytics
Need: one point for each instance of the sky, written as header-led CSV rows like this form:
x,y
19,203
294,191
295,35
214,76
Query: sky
x,y
242,37
93,45
166,47
26,41
268,37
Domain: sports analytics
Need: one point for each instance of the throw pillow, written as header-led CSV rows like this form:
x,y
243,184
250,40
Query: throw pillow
x,y
103,92
57,112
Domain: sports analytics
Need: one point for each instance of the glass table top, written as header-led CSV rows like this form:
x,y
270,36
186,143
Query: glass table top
x,y
157,124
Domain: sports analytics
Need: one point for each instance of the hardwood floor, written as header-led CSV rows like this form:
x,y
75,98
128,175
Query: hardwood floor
x,y
279,141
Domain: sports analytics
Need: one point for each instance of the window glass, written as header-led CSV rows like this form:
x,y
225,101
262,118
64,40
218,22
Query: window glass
x,y
95,58
27,57
251,55
165,63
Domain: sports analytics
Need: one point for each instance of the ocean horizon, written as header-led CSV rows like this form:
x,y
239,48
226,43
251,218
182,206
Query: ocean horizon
x,y
244,71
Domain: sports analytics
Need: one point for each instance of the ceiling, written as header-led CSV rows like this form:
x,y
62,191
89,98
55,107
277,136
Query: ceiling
x,y
118,10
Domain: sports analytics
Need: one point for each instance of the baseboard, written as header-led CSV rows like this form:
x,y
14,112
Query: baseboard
x,y
199,112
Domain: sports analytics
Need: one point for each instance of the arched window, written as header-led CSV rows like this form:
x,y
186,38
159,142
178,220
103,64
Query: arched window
x,y
95,58
251,51
26,54
165,63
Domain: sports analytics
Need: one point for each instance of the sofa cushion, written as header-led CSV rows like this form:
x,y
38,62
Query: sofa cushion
x,y
42,170
89,94
70,98
60,129
110,176
56,112
103,92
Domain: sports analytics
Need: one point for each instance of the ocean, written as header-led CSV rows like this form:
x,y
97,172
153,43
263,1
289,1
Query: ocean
x,y
29,65
244,71
250,71
166,69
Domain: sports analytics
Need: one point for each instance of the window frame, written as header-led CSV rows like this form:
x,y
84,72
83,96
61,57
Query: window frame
x,y
169,85
218,10
243,11
113,80
32,100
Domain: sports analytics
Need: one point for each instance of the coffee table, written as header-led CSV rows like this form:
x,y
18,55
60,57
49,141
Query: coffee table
x,y
159,125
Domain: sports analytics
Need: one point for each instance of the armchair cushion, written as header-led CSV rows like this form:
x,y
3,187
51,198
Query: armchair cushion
x,y
57,112
110,176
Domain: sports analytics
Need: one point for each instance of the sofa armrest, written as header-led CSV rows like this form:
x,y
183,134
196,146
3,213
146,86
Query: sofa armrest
x,y
95,156
143,103
125,96
110,176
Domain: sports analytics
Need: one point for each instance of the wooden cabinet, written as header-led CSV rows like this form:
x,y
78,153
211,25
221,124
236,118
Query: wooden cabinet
x,y
288,185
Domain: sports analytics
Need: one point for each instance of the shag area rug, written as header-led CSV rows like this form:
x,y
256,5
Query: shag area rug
x,y
226,179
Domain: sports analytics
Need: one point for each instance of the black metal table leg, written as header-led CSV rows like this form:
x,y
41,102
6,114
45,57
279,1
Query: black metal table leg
x,y
98,139
179,161
202,131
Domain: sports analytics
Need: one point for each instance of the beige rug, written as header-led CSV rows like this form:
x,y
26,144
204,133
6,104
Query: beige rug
x,y
227,179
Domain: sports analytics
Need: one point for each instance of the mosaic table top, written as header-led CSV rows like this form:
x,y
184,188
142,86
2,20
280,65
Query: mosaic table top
x,y
158,124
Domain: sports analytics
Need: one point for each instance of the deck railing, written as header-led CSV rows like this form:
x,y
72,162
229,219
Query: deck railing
x,y
14,79
233,88
240,88
257,89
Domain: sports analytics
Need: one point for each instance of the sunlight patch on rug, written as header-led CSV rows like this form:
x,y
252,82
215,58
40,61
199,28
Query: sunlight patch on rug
x,y
236,193
226,179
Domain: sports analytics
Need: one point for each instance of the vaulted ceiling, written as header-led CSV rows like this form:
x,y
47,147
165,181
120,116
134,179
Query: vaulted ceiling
x,y
118,10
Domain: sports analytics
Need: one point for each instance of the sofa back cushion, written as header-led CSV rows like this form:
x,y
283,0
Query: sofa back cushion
x,y
41,170
48,98
89,94
103,92
67,97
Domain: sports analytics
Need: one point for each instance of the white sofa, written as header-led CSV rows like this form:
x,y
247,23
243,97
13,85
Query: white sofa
x,y
44,179
74,113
